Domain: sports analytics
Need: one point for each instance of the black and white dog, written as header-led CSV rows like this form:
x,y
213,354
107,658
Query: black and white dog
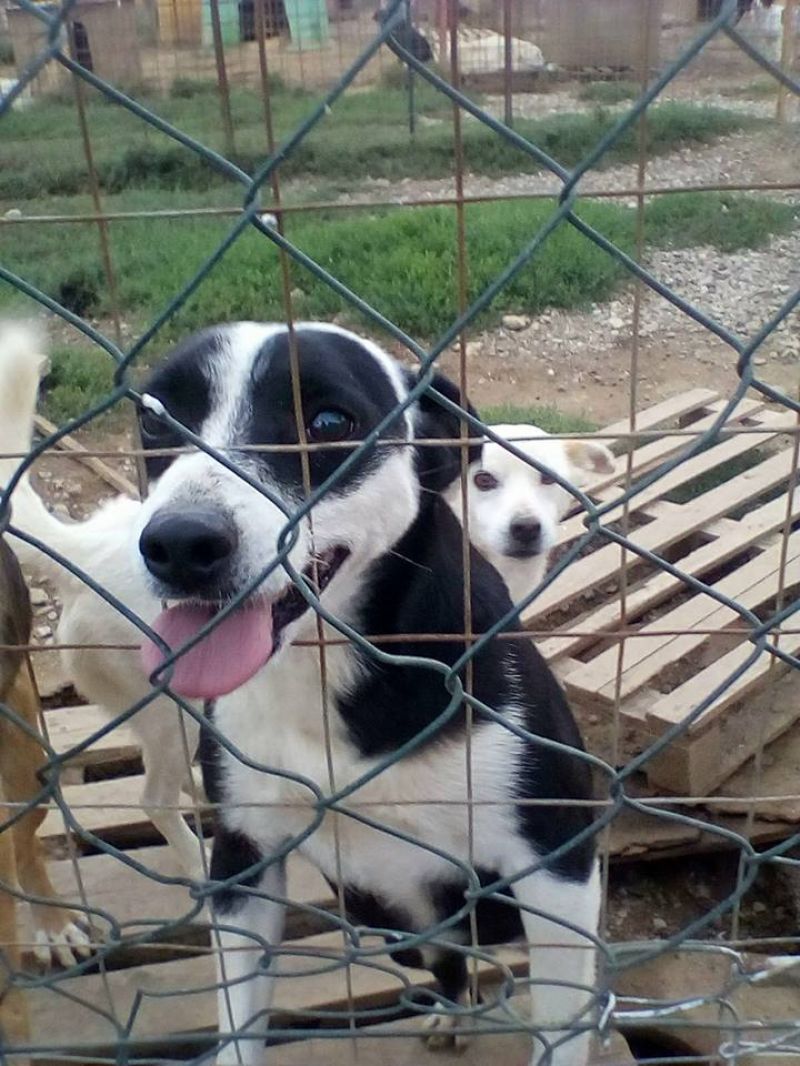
x,y
384,549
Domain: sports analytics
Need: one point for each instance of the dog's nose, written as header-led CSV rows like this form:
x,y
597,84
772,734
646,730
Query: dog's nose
x,y
526,532
188,550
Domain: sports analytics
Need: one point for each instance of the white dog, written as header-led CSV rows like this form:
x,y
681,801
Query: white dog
x,y
515,509
113,679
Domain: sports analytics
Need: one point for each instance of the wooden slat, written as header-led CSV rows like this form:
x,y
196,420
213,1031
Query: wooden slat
x,y
73,447
644,657
69,726
675,706
113,812
192,1008
658,451
132,898
651,455
587,573
670,410
737,537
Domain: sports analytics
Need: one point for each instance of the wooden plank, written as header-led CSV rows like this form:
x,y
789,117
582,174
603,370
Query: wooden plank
x,y
110,809
604,564
179,997
670,410
676,705
69,726
645,656
654,452
737,537
73,447
658,452
131,898
698,763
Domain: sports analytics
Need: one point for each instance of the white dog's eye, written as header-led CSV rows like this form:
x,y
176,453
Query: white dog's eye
x,y
484,481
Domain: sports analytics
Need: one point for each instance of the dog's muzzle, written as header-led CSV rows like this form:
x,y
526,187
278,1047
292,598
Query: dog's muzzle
x,y
524,538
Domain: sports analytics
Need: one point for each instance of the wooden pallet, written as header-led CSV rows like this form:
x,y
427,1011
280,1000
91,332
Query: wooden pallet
x,y
729,536
96,1004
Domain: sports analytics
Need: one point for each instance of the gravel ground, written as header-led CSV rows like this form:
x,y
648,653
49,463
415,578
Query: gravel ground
x,y
742,158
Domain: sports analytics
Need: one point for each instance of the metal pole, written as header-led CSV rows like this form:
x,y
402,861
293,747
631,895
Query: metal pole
x,y
222,79
787,55
508,60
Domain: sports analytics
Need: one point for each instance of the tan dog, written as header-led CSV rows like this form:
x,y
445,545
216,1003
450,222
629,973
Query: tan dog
x,y
59,932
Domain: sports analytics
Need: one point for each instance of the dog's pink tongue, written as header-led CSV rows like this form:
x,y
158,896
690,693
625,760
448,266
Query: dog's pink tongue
x,y
223,660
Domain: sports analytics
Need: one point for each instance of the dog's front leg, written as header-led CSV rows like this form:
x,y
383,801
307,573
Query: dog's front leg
x,y
247,922
563,963
165,765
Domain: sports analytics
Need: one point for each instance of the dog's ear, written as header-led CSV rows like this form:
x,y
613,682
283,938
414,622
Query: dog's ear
x,y
590,456
437,467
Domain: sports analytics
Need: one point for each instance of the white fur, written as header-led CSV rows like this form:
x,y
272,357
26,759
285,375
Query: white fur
x,y
101,547
520,494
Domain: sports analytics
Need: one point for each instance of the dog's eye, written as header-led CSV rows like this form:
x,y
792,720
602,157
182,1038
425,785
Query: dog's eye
x,y
548,479
329,426
484,481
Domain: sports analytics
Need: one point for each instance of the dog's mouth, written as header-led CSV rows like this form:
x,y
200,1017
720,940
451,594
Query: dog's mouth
x,y
242,643
520,552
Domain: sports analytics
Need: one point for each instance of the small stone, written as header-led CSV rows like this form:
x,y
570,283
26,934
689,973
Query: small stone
x,y
759,361
61,511
659,925
615,322
759,907
39,597
42,631
474,349
515,322
12,213
550,372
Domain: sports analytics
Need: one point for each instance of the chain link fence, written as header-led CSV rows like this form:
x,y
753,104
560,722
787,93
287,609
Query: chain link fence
x,y
696,990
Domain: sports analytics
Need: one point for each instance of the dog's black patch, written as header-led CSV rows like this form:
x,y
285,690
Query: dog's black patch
x,y
183,384
232,854
337,374
418,589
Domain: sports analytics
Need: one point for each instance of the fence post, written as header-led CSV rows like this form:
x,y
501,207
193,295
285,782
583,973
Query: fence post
x,y
787,54
222,79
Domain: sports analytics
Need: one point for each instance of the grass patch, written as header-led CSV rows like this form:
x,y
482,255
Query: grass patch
x,y
79,378
757,89
609,92
365,136
723,220
546,417
402,261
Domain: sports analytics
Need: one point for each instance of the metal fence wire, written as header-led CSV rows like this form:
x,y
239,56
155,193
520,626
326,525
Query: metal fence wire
x,y
718,1006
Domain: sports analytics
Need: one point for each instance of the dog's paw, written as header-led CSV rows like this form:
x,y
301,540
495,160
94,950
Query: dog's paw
x,y
61,937
440,1034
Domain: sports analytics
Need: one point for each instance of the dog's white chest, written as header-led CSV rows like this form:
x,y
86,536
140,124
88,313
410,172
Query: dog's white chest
x,y
396,825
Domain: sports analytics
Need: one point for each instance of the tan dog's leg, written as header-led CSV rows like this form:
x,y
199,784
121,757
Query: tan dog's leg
x,y
59,931
14,1027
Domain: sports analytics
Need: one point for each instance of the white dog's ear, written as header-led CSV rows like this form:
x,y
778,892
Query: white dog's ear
x,y
591,456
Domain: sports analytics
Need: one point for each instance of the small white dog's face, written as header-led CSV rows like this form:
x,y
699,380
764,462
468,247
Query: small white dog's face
x,y
515,509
